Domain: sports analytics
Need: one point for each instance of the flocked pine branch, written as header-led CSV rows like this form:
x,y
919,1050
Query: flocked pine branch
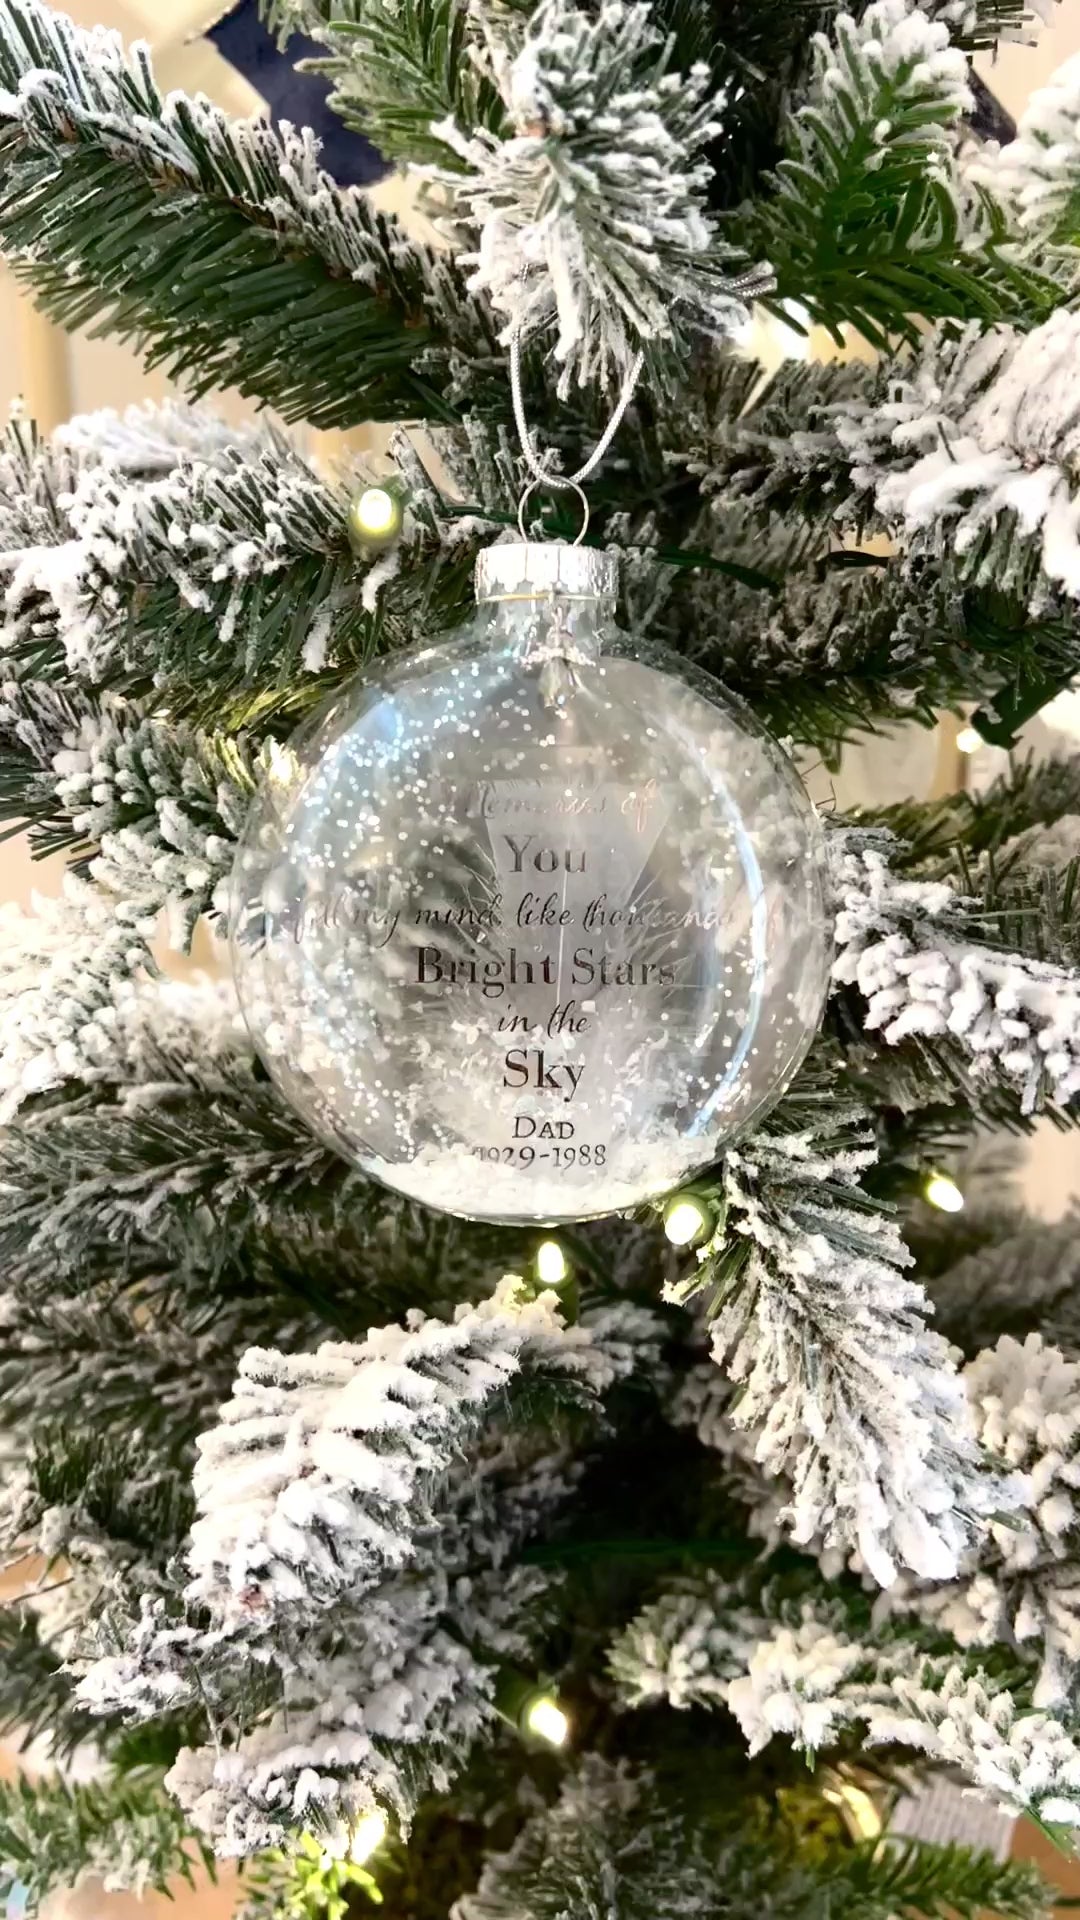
x,y
311,1486
1031,797
1021,1584
1023,1277
616,1839
603,1846
122,1307
330,1756
95,1516
963,452
911,948
196,536
94,1504
1017,1583
590,211
703,1400
771,444
971,450
159,546
264,275
1037,175
35,1693
162,549
124,1831
35,476
78,1355
976,613
114,1198
881,635
871,222
170,1173
811,1682
978,24
845,1389
379,1708
408,1677
397,73
826,651
811,1678
68,973
179,1176
154,808
687,1646
423,1604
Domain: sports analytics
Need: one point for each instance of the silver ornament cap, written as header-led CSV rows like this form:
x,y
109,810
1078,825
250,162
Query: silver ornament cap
x,y
529,569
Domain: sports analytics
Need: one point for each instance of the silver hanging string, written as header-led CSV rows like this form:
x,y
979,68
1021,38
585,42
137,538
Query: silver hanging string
x,y
569,482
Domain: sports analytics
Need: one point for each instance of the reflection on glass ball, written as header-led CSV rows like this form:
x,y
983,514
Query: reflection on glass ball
x,y
529,924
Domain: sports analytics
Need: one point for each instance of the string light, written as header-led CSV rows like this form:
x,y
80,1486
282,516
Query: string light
x,y
545,1720
375,517
552,1265
368,1834
531,1708
944,1193
282,765
687,1221
969,740
861,1813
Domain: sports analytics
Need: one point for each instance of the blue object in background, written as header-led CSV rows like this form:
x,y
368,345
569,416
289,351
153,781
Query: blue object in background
x,y
299,97
988,117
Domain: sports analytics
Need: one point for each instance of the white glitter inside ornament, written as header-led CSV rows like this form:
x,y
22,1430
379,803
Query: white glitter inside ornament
x,y
530,923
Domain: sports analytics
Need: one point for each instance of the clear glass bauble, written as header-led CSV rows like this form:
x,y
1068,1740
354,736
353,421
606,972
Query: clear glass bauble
x,y
530,923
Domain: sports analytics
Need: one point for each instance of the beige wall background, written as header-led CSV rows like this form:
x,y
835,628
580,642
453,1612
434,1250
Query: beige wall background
x,y
56,377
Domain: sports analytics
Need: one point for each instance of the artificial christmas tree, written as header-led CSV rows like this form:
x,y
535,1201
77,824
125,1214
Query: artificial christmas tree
x,y
457,1564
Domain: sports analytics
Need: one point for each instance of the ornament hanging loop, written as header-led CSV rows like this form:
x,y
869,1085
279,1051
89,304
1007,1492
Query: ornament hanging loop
x,y
568,486
541,476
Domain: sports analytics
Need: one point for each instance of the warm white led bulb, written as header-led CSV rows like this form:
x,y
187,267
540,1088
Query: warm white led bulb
x,y
367,1835
545,1720
969,740
552,1265
860,1810
944,1193
282,765
685,1221
375,513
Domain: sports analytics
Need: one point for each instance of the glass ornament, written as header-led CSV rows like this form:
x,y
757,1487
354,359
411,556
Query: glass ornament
x,y
531,922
